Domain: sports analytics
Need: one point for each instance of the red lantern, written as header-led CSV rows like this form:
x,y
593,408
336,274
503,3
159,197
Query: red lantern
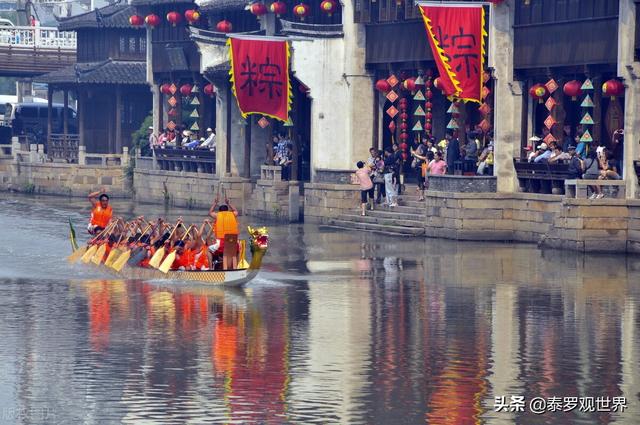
x,y
152,20
278,7
392,126
185,89
192,16
404,126
165,89
383,86
136,20
409,84
429,83
404,146
328,6
172,112
258,8
404,116
572,88
612,88
174,18
404,136
429,94
429,105
427,126
539,92
224,26
405,156
301,10
209,89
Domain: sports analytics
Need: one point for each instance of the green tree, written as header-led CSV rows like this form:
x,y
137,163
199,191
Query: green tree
x,y
140,138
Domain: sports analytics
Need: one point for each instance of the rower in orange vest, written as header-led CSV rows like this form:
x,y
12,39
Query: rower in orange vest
x,y
226,223
100,214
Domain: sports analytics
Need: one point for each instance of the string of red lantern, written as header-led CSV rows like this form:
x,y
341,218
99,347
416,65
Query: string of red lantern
x,y
278,7
428,125
301,10
224,26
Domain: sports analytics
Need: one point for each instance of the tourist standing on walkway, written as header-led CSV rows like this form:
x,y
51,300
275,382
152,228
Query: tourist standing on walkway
x,y
453,152
153,139
366,187
420,158
390,162
378,177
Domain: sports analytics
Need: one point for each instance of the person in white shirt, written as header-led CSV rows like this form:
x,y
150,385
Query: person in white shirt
x,y
210,141
153,139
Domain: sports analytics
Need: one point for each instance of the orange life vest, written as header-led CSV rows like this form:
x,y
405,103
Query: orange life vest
x,y
186,260
226,224
203,259
101,216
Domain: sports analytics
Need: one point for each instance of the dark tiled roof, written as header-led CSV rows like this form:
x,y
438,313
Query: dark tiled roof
x,y
106,72
222,5
155,2
112,16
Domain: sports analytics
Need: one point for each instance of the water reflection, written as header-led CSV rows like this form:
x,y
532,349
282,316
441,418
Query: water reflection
x,y
342,327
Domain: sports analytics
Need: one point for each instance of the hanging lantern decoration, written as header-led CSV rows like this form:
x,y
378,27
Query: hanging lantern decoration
x,y
409,84
136,20
436,83
165,89
383,86
404,137
404,116
328,7
224,26
152,20
404,146
278,7
301,10
404,126
612,88
392,127
573,89
209,90
174,18
258,9
192,16
185,89
538,92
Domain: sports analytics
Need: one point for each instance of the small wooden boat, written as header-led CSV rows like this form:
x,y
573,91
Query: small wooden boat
x,y
258,246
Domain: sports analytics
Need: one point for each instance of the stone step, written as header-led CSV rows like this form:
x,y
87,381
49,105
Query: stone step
x,y
378,228
392,213
415,204
406,209
381,220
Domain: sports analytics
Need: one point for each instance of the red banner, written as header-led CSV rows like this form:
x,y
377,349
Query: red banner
x,y
456,36
260,76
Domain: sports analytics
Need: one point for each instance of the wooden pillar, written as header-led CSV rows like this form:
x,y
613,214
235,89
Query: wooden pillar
x,y
376,118
295,154
160,106
524,125
65,114
227,167
597,110
118,146
81,117
49,113
247,148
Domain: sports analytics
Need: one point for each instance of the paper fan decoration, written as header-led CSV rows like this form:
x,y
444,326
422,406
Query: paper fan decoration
x,y
549,122
392,96
586,137
172,101
171,125
587,119
549,138
173,89
551,85
550,104
418,96
263,122
484,109
392,111
393,81
587,85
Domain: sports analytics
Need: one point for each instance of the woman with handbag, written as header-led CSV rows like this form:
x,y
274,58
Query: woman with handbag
x,y
420,158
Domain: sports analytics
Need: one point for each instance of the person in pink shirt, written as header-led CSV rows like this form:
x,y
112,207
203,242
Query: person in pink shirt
x,y
366,186
438,166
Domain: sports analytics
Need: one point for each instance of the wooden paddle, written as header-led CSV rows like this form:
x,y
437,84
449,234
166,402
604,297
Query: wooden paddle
x,y
168,262
159,254
88,255
116,252
124,257
78,253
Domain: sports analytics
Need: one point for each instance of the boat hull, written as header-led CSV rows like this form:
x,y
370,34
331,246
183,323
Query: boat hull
x,y
206,277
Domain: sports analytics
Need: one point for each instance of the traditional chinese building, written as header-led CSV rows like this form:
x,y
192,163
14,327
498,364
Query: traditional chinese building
x,y
109,80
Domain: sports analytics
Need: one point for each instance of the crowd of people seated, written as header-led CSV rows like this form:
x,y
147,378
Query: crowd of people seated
x,y
182,138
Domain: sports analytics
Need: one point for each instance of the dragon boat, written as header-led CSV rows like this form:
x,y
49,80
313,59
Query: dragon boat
x,y
258,244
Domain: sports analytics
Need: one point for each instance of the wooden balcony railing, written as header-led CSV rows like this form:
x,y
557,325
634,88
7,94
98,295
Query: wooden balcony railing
x,y
63,148
38,37
187,160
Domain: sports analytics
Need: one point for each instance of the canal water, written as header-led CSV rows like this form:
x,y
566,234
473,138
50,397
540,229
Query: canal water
x,y
339,327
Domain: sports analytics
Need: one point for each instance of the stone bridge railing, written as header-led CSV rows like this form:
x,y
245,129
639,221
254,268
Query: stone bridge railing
x,y
37,37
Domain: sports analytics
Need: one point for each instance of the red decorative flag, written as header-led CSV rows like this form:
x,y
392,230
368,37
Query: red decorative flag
x,y
456,36
260,76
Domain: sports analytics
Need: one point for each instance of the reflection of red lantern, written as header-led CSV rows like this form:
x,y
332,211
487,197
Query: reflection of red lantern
x,y
383,86
409,84
404,116
538,92
278,7
404,146
404,126
301,10
152,20
404,136
209,89
258,8
192,16
224,26
328,6
165,89
174,18
612,88
392,126
136,20
185,89
427,126
572,88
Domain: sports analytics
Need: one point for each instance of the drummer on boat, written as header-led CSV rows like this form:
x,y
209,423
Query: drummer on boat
x,y
101,212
